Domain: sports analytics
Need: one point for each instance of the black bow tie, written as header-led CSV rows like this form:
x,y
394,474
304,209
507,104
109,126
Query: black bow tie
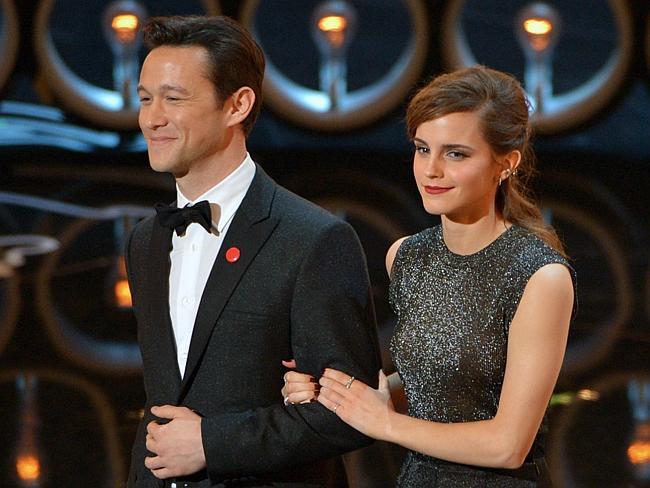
x,y
179,218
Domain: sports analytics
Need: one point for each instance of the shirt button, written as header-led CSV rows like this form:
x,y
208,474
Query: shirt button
x,y
173,485
195,247
185,301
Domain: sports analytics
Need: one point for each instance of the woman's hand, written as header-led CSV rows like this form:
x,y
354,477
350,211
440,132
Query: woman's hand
x,y
298,387
368,410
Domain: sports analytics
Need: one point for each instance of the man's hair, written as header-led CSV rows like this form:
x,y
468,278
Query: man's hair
x,y
235,59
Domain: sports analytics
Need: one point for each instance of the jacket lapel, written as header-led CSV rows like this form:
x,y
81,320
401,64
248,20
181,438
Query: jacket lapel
x,y
162,344
249,230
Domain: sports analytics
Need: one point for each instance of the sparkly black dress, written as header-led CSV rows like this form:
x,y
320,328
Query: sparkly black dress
x,y
450,343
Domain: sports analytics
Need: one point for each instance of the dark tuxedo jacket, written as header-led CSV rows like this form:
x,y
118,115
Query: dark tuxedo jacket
x,y
299,290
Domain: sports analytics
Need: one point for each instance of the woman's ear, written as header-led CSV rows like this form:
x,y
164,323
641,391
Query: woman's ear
x,y
512,160
509,164
241,102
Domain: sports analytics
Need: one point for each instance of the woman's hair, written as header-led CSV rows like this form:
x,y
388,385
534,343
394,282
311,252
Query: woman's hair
x,y
235,59
502,107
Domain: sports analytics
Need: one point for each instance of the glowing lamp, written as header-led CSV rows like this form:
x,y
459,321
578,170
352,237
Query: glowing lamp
x,y
125,27
28,468
121,290
122,22
538,30
538,26
639,452
333,27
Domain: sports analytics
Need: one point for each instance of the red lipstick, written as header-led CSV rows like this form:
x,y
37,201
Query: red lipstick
x,y
436,190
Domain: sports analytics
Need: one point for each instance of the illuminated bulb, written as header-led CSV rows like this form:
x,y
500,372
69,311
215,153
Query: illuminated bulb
x,y
589,395
28,467
122,21
639,452
538,27
125,27
332,23
121,289
333,27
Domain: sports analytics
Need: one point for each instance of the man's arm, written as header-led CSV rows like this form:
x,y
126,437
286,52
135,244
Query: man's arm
x,y
332,325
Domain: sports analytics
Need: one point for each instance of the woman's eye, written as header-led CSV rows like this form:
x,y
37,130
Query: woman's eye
x,y
421,149
456,155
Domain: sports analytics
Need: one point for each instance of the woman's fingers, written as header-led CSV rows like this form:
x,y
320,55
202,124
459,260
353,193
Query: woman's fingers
x,y
292,388
336,375
330,398
289,363
298,387
294,377
302,397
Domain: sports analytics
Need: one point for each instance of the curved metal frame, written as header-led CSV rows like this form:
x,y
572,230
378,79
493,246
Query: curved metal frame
x,y
98,105
79,347
8,40
558,456
308,107
10,317
101,404
572,108
622,284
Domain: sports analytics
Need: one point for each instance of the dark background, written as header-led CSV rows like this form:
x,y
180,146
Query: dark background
x,y
57,315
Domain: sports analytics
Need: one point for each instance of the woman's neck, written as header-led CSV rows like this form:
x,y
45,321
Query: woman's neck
x,y
469,238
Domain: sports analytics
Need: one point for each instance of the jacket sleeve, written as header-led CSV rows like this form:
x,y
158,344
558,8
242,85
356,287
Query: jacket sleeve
x,y
134,253
332,325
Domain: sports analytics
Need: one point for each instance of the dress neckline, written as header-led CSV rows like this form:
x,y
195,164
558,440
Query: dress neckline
x,y
479,256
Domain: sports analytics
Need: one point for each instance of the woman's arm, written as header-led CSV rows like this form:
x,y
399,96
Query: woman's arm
x,y
536,344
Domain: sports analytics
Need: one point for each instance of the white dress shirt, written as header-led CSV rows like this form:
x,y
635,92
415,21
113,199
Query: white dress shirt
x,y
194,253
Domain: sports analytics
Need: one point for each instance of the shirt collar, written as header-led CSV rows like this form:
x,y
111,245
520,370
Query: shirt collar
x,y
227,194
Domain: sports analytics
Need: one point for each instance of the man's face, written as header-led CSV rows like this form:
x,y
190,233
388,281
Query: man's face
x,y
183,122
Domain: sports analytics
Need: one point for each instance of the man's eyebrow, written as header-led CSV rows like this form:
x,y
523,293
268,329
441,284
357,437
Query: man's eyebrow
x,y
166,88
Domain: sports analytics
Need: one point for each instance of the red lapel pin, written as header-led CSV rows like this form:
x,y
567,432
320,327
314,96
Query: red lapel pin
x,y
232,255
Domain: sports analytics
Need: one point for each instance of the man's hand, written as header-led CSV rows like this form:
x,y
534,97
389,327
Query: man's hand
x,y
178,444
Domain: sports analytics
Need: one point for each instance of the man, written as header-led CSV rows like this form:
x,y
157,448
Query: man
x,y
264,276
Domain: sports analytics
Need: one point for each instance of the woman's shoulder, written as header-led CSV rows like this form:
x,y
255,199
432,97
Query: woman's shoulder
x,y
528,249
407,245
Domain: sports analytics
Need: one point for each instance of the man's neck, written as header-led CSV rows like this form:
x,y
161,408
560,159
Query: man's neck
x,y
202,177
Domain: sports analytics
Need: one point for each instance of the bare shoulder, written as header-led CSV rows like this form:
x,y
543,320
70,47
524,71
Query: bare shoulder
x,y
392,251
552,285
551,276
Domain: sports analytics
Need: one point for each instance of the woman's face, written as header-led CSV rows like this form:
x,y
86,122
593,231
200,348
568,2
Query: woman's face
x,y
454,168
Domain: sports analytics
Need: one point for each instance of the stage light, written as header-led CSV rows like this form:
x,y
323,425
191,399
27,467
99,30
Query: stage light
x,y
28,462
538,30
122,21
588,395
125,27
28,468
333,27
638,451
121,289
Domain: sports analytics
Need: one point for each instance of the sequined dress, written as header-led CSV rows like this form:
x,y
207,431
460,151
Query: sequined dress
x,y
449,346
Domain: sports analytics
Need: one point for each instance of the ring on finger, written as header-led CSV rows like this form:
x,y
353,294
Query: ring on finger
x,y
336,406
348,383
287,402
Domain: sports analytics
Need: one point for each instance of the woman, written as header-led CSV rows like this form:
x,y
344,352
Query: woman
x,y
483,301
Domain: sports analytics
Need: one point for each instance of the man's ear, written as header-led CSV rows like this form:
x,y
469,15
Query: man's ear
x,y
240,105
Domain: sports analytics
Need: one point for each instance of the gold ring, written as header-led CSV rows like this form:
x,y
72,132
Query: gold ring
x,y
348,383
